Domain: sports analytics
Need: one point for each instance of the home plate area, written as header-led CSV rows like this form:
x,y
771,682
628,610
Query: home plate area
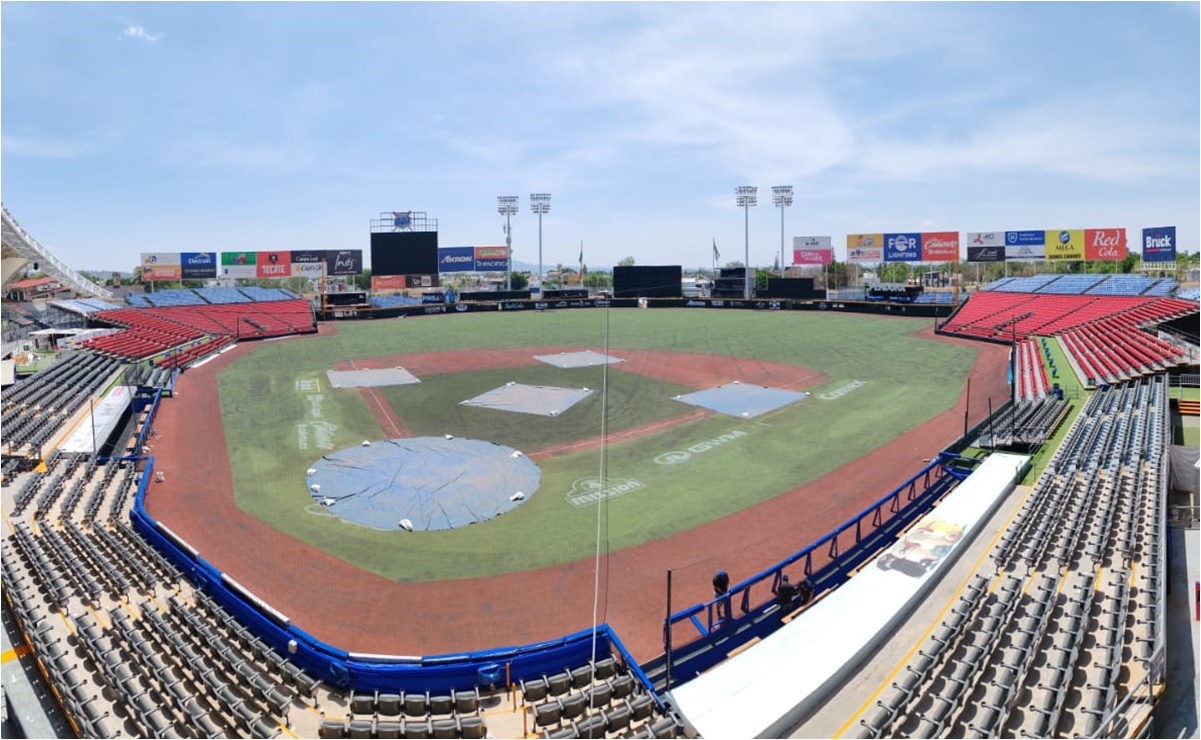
x,y
742,401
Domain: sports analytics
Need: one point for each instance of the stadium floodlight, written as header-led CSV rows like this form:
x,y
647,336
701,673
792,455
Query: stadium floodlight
x,y
745,196
781,197
540,204
506,205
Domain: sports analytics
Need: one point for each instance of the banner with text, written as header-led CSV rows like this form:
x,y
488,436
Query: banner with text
x,y
388,282
198,265
940,246
238,265
1159,244
273,264
812,250
456,259
162,266
1105,244
491,259
902,247
1065,244
865,247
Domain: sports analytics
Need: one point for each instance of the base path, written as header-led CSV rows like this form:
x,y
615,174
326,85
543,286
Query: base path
x,y
358,611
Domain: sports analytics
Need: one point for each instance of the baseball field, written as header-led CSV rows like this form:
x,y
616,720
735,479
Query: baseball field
x,y
870,381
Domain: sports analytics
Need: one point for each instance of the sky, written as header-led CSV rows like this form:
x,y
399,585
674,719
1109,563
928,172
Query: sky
x,y
151,127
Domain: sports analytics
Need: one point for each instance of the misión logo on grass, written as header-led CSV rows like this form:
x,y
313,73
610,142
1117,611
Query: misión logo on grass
x,y
590,490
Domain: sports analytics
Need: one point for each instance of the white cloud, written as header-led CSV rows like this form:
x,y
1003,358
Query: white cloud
x,y
23,146
138,32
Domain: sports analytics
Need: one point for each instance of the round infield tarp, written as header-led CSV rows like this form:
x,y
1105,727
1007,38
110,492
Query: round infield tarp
x,y
422,483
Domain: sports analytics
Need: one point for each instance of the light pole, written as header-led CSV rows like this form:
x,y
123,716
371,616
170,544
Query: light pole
x,y
506,205
745,196
540,204
781,197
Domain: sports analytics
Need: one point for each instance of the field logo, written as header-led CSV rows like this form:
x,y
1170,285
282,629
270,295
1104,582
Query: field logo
x,y
316,432
590,490
838,393
675,457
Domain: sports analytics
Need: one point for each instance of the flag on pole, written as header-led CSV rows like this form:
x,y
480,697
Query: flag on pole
x,y
716,254
581,259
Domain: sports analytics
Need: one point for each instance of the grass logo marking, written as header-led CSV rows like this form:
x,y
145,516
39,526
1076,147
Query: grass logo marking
x,y
675,457
590,490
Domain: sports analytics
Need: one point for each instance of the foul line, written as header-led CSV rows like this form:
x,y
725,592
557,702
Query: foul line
x,y
20,651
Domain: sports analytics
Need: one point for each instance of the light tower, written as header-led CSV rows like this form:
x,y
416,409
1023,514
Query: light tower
x,y
781,197
506,205
745,196
540,204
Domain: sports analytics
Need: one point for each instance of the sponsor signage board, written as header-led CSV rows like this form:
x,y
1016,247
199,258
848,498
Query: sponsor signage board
x,y
985,239
491,259
456,259
161,266
810,256
865,247
985,254
238,265
198,265
1105,244
343,262
1023,238
902,247
1159,244
307,262
387,282
1065,244
273,264
940,246
1025,252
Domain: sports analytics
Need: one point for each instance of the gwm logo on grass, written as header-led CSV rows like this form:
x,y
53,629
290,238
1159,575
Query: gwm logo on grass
x,y
675,457
590,490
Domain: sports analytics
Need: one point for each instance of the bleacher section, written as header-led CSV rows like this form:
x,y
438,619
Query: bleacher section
x,y
156,331
1057,641
208,296
1189,294
1120,285
1030,374
35,410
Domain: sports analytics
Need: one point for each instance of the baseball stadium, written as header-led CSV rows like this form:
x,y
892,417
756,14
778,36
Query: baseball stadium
x,y
239,511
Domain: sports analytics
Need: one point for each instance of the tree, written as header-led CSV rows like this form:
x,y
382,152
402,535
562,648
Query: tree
x,y
625,262
519,280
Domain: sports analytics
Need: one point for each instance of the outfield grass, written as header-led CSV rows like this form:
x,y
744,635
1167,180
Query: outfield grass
x,y
280,415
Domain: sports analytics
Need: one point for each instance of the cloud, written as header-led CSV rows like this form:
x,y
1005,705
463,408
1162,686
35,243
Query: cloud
x,y
23,146
138,32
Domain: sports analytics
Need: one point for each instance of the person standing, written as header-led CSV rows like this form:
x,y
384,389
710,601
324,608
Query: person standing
x,y
721,587
785,595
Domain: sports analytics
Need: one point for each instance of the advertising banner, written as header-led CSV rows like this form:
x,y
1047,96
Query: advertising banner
x,y
985,254
161,266
812,250
307,263
985,239
199,265
865,247
1025,252
273,264
238,265
1065,244
456,259
491,259
1105,244
161,272
1025,238
940,246
343,262
388,282
902,247
1159,244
